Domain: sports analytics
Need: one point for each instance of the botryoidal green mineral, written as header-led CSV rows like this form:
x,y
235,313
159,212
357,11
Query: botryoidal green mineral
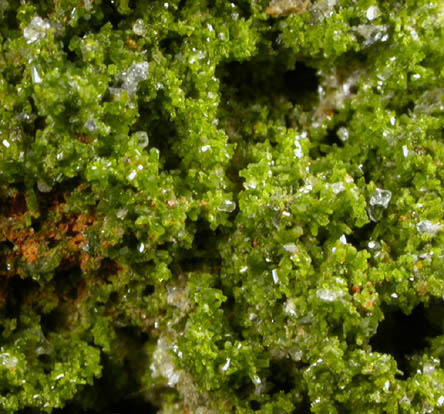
x,y
222,207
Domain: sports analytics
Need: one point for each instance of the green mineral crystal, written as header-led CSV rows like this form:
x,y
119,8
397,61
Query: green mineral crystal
x,y
220,207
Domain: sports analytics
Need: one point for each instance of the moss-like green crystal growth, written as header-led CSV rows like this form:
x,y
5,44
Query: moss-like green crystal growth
x,y
222,207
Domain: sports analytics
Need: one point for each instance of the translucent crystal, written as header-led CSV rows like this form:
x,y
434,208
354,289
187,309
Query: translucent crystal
x,y
121,213
139,27
381,198
428,227
135,74
162,364
329,295
372,33
290,307
36,29
90,125
440,401
43,187
142,138
6,143
227,206
430,101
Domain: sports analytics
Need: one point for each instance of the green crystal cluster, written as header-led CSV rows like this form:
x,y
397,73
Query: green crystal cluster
x,y
222,207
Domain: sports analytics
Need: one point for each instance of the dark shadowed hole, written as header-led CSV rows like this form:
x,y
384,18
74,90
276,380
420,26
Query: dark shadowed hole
x,y
332,137
300,83
402,335
17,290
304,406
108,267
53,321
171,45
149,290
122,406
281,376
255,405
254,79
361,235
133,406
204,254
10,20
162,131
113,298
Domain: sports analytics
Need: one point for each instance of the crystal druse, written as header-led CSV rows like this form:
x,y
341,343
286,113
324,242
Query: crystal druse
x,y
221,207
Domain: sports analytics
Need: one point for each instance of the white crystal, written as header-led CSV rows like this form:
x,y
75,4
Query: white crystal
x,y
372,13
329,295
132,175
8,361
343,134
141,247
135,74
275,276
227,206
342,239
243,269
298,153
337,187
290,247
139,27
205,148
36,29
6,143
440,401
306,189
428,227
142,138
35,75
381,198
60,376
405,151
226,365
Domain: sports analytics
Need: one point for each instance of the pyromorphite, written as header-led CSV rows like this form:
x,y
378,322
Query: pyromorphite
x,y
221,207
